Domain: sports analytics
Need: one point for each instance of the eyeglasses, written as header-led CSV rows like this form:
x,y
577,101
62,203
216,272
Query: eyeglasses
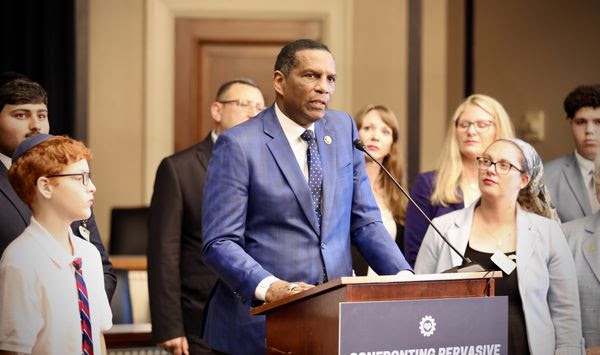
x,y
502,167
480,125
245,104
85,177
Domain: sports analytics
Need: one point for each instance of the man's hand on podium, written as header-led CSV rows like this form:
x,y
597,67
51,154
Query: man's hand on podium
x,y
282,289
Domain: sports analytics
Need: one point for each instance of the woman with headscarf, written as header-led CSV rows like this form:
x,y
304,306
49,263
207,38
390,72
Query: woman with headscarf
x,y
510,228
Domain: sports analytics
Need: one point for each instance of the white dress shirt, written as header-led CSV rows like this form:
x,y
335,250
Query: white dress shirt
x,y
39,312
292,132
7,161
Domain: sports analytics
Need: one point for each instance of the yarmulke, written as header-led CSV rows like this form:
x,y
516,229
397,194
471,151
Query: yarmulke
x,y
29,143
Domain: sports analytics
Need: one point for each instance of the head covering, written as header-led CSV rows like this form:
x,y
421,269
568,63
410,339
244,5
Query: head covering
x,y
533,163
534,197
29,143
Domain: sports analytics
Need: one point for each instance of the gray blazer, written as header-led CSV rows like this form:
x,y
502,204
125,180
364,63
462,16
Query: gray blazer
x,y
583,236
567,189
546,274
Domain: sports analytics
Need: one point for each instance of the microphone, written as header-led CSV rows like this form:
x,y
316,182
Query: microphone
x,y
467,265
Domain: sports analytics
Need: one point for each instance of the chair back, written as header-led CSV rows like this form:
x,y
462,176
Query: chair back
x,y
121,302
128,231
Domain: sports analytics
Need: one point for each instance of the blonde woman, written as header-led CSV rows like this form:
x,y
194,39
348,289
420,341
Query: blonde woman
x,y
379,130
513,228
476,123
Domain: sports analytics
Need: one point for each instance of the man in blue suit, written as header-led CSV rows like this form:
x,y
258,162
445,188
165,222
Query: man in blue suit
x,y
282,205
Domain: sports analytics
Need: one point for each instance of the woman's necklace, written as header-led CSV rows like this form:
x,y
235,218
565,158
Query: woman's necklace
x,y
504,262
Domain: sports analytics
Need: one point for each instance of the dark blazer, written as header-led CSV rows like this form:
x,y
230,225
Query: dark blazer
x,y
178,281
415,225
258,221
15,216
567,189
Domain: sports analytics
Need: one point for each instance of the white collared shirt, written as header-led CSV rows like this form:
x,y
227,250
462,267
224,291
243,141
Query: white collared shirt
x,y
587,171
39,312
7,161
292,132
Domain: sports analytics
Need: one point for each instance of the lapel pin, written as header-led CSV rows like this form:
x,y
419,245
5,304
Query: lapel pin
x,y
85,233
327,140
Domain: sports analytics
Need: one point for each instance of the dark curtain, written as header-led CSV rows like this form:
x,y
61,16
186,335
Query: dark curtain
x,y
37,38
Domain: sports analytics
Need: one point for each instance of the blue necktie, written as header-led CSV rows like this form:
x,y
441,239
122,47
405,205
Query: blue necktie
x,y
315,172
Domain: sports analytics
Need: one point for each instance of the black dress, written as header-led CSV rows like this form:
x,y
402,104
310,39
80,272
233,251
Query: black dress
x,y
507,286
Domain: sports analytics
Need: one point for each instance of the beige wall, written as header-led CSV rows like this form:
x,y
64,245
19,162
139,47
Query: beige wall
x,y
131,82
116,108
434,77
380,50
523,57
530,54
131,76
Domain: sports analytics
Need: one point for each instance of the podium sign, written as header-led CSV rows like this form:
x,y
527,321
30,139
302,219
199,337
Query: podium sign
x,y
452,326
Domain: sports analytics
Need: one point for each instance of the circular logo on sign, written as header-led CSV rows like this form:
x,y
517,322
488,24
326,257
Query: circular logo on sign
x,y
427,326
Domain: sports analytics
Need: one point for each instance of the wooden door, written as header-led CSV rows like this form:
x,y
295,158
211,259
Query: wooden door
x,y
211,52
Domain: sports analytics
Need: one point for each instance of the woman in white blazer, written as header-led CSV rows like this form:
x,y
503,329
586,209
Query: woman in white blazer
x,y
583,236
510,226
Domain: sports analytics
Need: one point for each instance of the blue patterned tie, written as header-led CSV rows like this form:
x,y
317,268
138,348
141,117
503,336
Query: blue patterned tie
x,y
315,172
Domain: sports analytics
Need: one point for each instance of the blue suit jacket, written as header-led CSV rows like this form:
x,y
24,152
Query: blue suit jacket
x,y
258,221
583,236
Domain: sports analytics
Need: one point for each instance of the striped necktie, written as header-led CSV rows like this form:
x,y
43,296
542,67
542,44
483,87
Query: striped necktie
x,y
87,347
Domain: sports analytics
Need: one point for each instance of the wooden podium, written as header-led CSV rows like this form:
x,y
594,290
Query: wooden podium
x,y
308,322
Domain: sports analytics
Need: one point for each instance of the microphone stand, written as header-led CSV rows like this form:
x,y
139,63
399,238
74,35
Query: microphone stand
x,y
467,265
